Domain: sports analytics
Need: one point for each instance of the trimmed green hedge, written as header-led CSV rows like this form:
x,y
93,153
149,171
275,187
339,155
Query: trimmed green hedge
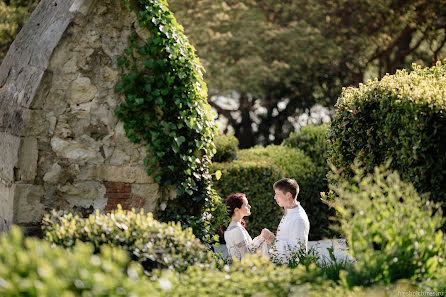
x,y
294,163
154,244
392,231
255,179
254,174
33,267
227,147
402,117
313,140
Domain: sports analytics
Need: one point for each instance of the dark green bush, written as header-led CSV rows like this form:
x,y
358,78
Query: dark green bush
x,y
402,118
32,267
392,231
154,244
293,163
255,179
227,147
313,140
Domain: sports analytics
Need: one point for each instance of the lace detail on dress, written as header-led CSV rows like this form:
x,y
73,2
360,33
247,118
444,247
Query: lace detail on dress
x,y
239,243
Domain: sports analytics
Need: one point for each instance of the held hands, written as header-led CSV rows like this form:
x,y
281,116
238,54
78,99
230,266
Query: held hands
x,y
268,235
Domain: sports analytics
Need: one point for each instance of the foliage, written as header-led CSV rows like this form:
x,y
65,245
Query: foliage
x,y
332,268
165,107
32,267
227,147
13,16
297,256
401,117
253,276
154,244
293,163
368,207
281,57
254,178
313,140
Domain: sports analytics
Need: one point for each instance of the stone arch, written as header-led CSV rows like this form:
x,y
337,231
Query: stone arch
x,y
61,146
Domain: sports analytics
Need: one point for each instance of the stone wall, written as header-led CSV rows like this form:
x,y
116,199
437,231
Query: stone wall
x,y
65,149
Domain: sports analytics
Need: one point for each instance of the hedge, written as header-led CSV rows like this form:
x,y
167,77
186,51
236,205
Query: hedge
x,y
313,140
227,147
154,244
294,163
392,231
254,174
255,179
33,267
402,117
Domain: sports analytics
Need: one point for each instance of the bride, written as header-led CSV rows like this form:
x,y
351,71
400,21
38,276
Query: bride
x,y
237,238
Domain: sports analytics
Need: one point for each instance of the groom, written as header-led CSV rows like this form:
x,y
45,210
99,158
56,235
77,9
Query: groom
x,y
292,233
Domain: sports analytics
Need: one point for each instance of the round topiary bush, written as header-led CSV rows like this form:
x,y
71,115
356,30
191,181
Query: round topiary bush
x,y
402,117
227,147
154,244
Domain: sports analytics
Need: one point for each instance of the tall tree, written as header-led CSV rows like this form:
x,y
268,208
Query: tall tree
x,y
279,58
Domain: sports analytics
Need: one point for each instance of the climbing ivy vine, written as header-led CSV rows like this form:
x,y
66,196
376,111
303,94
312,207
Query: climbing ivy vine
x,y
166,108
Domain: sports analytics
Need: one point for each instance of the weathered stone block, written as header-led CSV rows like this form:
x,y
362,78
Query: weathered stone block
x,y
83,194
82,90
27,163
71,150
150,194
53,175
28,208
125,174
9,147
6,203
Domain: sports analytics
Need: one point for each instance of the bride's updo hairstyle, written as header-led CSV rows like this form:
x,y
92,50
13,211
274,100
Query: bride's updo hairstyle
x,y
233,201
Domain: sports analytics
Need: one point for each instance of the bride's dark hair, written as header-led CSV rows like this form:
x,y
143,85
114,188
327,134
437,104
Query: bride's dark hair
x,y
233,201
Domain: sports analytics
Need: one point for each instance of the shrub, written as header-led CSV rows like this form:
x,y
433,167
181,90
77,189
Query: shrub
x,y
313,140
254,276
255,179
392,231
31,267
402,118
154,244
293,163
227,147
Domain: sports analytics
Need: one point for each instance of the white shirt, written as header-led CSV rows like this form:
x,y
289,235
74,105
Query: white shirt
x,y
292,234
239,243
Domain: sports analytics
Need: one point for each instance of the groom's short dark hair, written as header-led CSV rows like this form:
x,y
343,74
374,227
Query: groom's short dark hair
x,y
287,185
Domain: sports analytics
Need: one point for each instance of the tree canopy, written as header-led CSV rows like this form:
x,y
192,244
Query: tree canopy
x,y
279,58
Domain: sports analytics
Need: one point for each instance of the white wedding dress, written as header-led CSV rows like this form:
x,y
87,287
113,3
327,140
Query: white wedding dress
x,y
239,243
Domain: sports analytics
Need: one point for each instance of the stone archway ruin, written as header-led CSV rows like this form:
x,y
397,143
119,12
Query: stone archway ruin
x,y
61,146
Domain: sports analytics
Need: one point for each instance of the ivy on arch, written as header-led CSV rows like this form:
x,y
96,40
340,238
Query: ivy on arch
x,y
166,108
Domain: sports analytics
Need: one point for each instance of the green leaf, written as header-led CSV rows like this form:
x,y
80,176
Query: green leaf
x,y
217,175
